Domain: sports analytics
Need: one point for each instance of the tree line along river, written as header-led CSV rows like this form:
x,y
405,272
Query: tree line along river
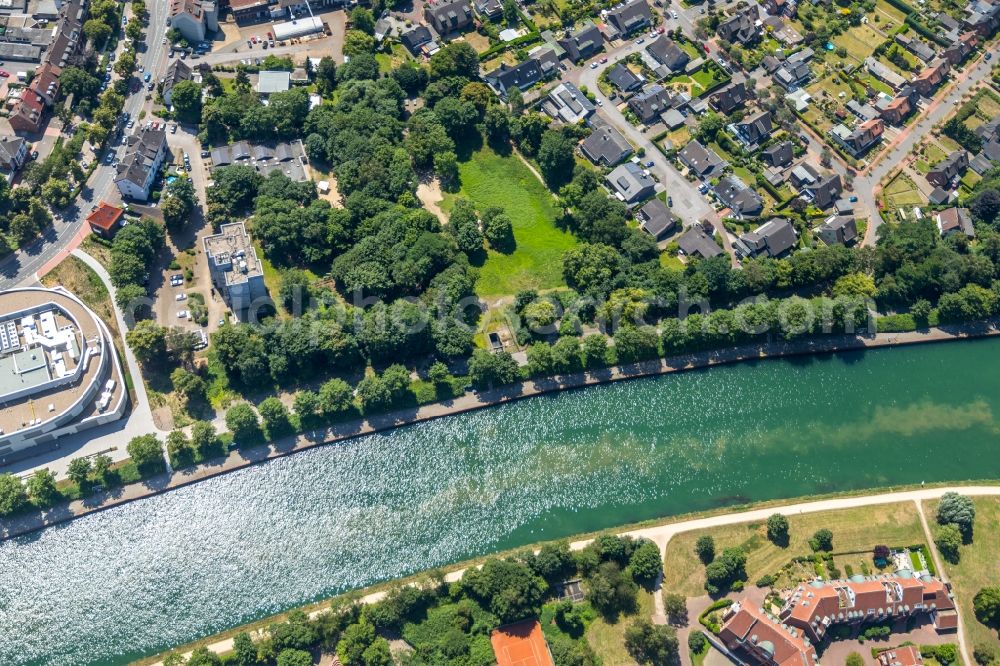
x,y
136,579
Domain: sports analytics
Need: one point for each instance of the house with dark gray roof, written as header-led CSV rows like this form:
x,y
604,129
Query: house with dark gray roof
x,y
696,243
779,154
489,9
415,38
13,154
666,52
630,183
449,17
655,218
754,129
916,46
704,162
864,112
522,76
138,168
738,197
629,18
743,27
772,239
582,43
953,166
624,79
825,191
568,104
606,146
650,103
838,230
792,73
177,72
730,98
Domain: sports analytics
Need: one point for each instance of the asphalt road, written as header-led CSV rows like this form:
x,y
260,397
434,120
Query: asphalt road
x,y
20,267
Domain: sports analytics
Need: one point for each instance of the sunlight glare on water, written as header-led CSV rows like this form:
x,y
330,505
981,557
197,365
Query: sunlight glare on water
x,y
135,579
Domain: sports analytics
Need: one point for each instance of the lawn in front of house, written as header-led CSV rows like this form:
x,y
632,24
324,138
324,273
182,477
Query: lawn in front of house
x,y
901,191
854,530
608,639
489,179
978,565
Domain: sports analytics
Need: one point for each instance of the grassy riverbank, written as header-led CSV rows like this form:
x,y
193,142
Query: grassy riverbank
x,y
891,522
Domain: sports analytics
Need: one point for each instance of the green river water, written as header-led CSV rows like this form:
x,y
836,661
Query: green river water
x,y
136,579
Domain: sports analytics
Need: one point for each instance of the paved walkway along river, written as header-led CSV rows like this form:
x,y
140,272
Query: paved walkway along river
x,y
239,459
661,535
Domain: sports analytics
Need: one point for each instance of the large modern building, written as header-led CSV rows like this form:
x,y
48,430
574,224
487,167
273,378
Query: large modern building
x,y
236,271
59,373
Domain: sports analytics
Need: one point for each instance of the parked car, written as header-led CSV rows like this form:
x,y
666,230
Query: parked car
x,y
593,65
181,297
249,44
176,280
649,164
173,128
182,314
604,59
670,201
34,154
674,14
4,73
989,56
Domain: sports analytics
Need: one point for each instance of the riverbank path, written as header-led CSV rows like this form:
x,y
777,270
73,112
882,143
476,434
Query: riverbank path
x,y
663,533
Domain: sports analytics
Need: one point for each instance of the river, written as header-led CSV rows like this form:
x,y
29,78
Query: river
x,y
136,579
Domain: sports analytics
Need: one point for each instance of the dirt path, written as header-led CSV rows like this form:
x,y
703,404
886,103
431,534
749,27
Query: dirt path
x,y
939,566
430,195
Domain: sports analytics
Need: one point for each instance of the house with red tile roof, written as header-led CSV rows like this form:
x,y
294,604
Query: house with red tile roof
x,y
26,116
814,607
901,656
751,631
104,219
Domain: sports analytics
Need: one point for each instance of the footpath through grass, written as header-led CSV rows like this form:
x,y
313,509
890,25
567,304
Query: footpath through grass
x,y
978,567
858,529
489,179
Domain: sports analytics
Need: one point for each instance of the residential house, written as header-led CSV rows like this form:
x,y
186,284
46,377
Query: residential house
x,y
415,38
980,164
490,10
547,59
666,52
582,43
907,655
772,239
138,168
105,220
860,140
884,73
752,632
656,219
730,98
193,18
755,128
949,169
927,81
629,183
696,243
825,191
568,104
780,7
863,112
629,18
272,81
177,72
448,18
236,272
743,27
624,79
738,197
792,74
673,118
955,220
522,75
46,84
249,11
778,155
782,32
896,109
13,154
961,48
838,230
939,196
949,27
817,607
916,46
802,176
770,63
982,16
606,146
704,162
26,114
650,103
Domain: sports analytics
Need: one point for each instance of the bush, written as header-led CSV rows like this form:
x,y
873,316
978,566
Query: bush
x,y
697,641
705,548
766,580
777,530
822,540
948,539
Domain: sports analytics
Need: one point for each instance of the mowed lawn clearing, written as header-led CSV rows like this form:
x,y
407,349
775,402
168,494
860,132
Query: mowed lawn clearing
x,y
489,179
860,42
979,565
853,530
